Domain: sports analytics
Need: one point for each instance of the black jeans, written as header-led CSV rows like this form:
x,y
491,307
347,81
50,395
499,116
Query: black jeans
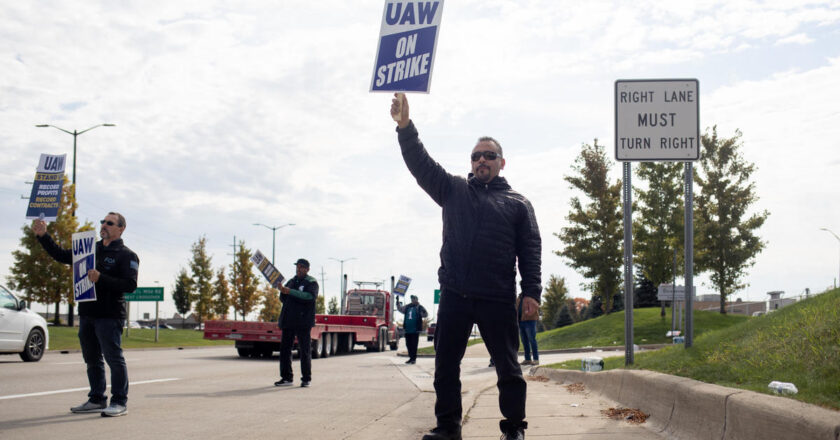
x,y
304,348
98,337
411,340
498,325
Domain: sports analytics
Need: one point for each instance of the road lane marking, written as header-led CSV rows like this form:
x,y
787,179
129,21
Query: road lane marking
x,y
71,390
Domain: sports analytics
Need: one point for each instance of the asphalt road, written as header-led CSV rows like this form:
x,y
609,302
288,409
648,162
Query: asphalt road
x,y
212,393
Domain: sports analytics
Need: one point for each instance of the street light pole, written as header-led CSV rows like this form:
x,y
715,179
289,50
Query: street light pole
x,y
75,134
273,235
341,282
838,240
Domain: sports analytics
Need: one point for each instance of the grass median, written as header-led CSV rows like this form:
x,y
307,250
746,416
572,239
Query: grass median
x,y
66,338
799,344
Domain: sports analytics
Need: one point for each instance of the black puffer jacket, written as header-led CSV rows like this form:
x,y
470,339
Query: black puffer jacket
x,y
487,229
117,266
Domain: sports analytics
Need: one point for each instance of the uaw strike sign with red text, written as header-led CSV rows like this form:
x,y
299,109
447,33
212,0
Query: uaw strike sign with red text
x,y
407,42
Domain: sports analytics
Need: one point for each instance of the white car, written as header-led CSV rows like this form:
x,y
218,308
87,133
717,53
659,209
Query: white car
x,y
21,330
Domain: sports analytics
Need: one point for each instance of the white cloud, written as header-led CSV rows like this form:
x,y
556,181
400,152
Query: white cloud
x,y
261,113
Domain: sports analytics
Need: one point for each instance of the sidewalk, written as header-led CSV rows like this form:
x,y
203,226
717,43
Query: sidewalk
x,y
554,412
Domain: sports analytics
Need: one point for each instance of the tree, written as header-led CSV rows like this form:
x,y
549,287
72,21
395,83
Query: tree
x,y
725,233
594,237
645,294
244,282
35,273
202,280
221,294
182,294
319,304
333,308
564,318
552,300
271,304
658,232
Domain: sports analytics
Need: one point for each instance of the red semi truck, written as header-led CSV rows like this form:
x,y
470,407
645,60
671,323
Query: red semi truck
x,y
368,320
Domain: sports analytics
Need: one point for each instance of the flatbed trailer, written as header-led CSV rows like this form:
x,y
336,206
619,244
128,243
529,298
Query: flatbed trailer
x,y
368,321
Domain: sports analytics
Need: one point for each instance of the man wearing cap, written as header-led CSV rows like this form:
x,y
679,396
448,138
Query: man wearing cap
x,y
413,314
297,317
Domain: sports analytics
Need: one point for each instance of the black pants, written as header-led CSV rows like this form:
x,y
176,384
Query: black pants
x,y
304,348
499,328
411,340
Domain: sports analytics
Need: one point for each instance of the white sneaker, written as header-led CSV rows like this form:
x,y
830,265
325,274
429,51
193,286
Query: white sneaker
x,y
115,410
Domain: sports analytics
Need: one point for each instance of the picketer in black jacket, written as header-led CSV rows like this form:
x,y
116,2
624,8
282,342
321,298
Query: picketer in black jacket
x,y
297,317
489,230
101,321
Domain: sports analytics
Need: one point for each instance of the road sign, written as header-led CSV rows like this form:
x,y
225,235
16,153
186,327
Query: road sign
x,y
145,294
667,292
657,120
437,296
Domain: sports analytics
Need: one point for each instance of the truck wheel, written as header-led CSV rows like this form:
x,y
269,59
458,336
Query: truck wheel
x,y
33,349
380,342
316,348
334,343
350,343
326,345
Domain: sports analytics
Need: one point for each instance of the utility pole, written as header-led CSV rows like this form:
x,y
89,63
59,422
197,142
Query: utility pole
x,y
233,277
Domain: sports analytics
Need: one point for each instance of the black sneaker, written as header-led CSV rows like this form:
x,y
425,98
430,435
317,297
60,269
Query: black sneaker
x,y
410,361
519,434
304,384
442,434
283,383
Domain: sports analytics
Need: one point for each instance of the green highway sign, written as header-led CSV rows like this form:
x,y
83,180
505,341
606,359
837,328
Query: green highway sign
x,y
145,294
437,296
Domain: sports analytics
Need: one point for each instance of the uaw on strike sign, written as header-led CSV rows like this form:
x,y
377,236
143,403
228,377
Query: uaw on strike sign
x,y
407,42
84,259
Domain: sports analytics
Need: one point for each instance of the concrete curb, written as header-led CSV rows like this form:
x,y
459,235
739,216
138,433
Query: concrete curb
x,y
567,350
682,408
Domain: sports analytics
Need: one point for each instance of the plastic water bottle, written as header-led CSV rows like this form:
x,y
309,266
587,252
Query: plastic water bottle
x,y
592,364
782,387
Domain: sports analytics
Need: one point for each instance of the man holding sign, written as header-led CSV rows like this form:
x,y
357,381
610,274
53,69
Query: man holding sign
x,y
101,318
488,231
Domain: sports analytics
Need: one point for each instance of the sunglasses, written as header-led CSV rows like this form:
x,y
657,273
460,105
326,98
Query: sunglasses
x,y
489,155
106,222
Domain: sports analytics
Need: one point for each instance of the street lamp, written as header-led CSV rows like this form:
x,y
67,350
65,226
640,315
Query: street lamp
x,y
838,240
273,234
75,134
341,282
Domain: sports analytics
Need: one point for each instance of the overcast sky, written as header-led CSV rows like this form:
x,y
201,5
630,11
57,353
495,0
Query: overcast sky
x,y
260,112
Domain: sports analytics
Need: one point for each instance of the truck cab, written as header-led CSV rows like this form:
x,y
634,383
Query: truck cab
x,y
373,302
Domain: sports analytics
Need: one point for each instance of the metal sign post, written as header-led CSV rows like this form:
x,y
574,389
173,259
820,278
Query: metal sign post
x,y
147,294
657,120
628,266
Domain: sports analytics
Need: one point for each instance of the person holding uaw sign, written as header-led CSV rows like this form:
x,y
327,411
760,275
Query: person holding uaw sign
x,y
489,230
103,281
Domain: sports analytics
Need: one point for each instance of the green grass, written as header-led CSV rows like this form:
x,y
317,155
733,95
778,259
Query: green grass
x,y
798,344
648,328
606,331
66,338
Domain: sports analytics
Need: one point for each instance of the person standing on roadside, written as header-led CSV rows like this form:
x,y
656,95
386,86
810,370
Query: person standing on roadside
x,y
413,315
101,321
528,332
489,231
297,317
